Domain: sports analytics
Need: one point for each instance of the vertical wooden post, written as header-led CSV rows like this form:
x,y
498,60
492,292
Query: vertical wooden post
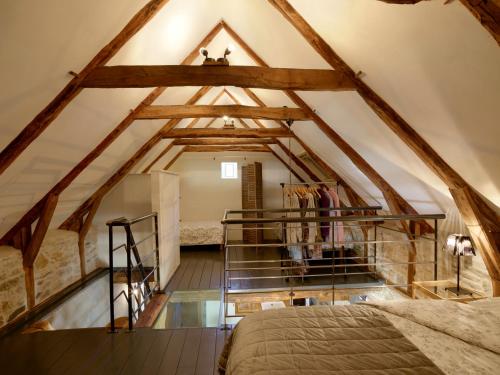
x,y
84,229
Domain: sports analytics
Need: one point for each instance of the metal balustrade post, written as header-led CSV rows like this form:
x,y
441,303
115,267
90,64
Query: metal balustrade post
x,y
129,280
435,249
111,282
157,245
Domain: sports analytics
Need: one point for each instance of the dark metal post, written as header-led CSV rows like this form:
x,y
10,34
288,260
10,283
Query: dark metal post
x,y
333,264
129,281
111,282
375,248
435,249
157,244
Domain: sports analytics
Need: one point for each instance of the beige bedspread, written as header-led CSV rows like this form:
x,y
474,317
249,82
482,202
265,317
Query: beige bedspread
x,y
321,340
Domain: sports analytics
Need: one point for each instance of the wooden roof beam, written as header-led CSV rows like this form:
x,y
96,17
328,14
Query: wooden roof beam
x,y
228,133
226,148
43,119
223,141
481,219
241,76
154,112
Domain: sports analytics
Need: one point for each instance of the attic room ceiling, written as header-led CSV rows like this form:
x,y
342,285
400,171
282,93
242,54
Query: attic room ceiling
x,y
443,79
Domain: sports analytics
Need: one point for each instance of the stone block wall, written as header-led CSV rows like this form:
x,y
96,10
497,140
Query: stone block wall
x,y
91,254
12,285
57,264
473,273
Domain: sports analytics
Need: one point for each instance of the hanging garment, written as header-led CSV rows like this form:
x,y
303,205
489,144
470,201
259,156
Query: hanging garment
x,y
324,202
328,241
338,226
293,230
314,251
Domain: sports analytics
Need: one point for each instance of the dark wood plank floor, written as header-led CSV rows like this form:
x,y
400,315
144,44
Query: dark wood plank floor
x,y
199,269
94,351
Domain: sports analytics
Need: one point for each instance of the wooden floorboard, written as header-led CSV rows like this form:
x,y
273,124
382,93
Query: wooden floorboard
x,y
190,350
206,274
172,355
206,352
215,278
197,274
152,362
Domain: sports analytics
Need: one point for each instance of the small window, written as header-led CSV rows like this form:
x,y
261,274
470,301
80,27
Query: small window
x,y
229,170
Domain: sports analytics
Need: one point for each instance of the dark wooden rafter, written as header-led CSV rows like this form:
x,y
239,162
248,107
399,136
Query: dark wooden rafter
x,y
222,141
82,234
174,159
355,157
487,12
227,133
155,112
232,75
160,155
481,218
73,88
299,163
212,102
72,222
225,148
33,214
288,166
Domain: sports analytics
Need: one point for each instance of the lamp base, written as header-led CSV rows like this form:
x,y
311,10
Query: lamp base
x,y
460,292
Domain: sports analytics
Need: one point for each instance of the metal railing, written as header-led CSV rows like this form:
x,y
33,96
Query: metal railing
x,y
139,276
259,269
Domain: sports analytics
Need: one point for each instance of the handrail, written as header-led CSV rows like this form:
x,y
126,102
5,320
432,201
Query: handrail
x,y
122,221
332,219
131,248
283,210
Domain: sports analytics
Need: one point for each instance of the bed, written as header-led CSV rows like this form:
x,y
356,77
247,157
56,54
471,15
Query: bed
x,y
201,233
403,337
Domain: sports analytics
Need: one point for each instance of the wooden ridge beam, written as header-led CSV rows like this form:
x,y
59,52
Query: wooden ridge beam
x,y
43,119
31,216
227,148
241,76
223,141
154,112
227,133
474,207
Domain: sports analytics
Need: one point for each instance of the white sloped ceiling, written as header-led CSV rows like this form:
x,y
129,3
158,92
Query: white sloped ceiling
x,y
435,64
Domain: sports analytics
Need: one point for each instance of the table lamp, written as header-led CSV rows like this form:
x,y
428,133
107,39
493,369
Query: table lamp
x,y
459,245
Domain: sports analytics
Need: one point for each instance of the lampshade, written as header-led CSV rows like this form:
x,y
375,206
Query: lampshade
x,y
460,245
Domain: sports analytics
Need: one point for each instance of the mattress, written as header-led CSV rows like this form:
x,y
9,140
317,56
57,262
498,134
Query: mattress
x,y
404,337
201,233
351,339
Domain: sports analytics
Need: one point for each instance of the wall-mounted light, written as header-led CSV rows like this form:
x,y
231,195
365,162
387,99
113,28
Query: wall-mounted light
x,y
227,124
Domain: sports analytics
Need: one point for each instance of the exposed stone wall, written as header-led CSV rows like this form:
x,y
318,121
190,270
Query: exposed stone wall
x,y
473,273
91,254
12,285
57,264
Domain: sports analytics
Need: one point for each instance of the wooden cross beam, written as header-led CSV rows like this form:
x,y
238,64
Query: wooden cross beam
x,y
225,148
43,119
209,111
228,133
482,220
240,76
223,141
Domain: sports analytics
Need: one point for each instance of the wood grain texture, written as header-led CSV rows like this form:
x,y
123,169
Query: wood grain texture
x,y
212,102
83,233
240,76
487,13
288,166
223,141
34,212
225,149
43,119
208,111
227,133
298,162
41,228
127,167
174,159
